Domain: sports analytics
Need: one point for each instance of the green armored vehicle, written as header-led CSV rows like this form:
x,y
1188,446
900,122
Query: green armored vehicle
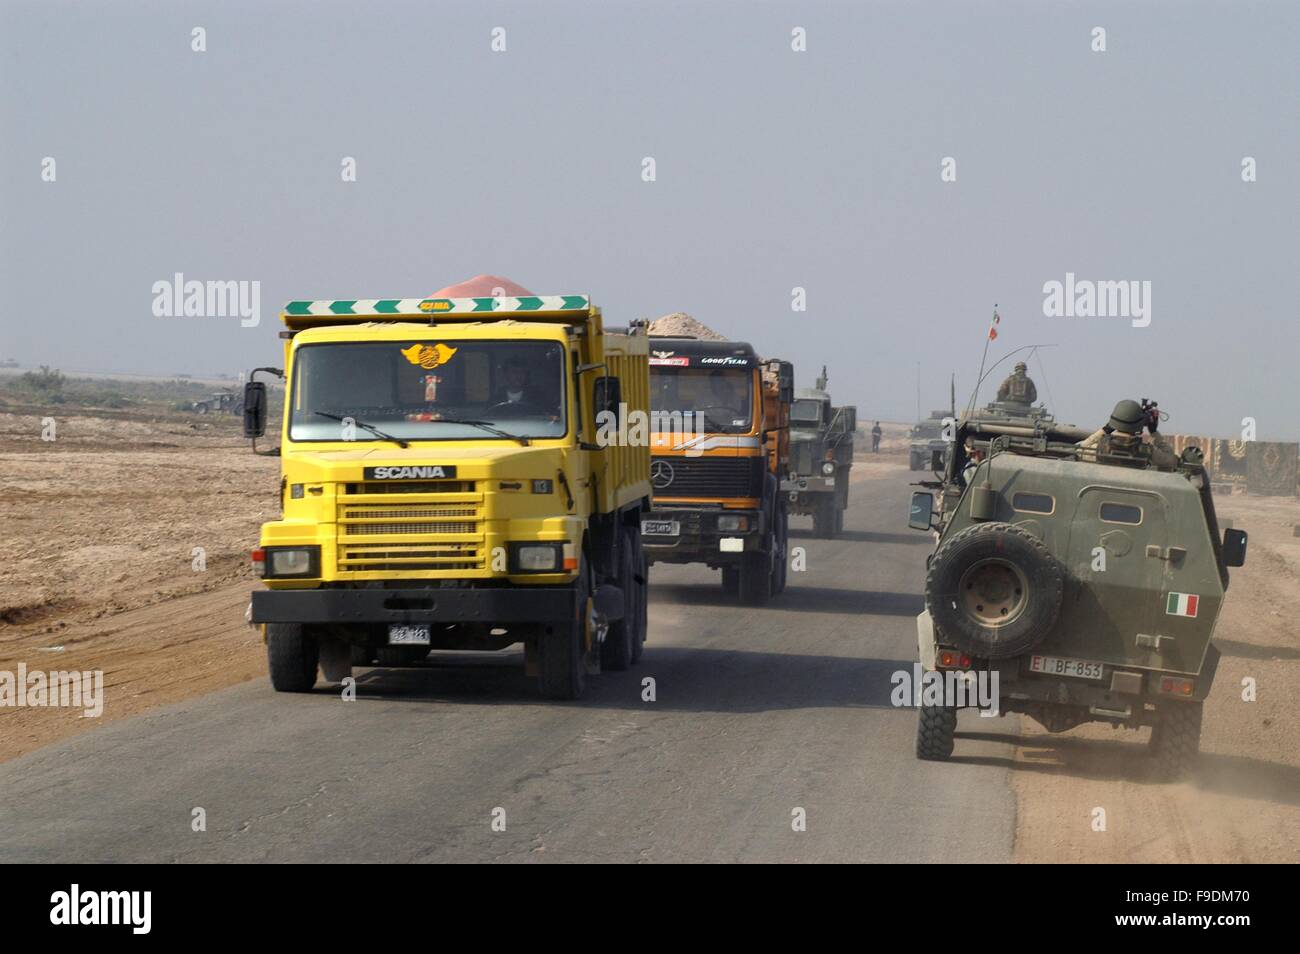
x,y
1080,574
821,454
928,440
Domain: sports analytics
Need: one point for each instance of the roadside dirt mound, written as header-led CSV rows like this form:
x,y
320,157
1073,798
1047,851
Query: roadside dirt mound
x,y
679,324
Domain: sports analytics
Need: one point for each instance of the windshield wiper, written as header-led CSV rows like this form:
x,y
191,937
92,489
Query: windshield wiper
x,y
523,441
369,427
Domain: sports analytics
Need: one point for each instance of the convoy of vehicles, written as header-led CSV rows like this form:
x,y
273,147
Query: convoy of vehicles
x,y
720,445
474,473
445,484
821,455
1084,577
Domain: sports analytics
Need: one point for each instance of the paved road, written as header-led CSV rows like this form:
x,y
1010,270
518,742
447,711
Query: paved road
x,y
759,712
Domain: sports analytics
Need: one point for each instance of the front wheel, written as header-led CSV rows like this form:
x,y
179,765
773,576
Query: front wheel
x,y
731,580
292,654
755,578
824,517
562,647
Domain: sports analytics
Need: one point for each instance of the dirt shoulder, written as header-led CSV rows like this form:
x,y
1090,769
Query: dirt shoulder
x,y
1243,804
126,551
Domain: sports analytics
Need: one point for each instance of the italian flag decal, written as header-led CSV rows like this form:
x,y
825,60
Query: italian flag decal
x,y
1182,604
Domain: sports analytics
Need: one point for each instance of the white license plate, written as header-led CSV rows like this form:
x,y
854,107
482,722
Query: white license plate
x,y
661,528
408,634
1060,666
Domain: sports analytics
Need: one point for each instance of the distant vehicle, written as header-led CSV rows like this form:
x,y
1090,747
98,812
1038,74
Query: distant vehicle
x,y
927,439
223,402
821,454
1083,571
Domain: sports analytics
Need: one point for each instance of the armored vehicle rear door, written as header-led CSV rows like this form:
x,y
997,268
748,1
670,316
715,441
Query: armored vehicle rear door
x,y
1118,539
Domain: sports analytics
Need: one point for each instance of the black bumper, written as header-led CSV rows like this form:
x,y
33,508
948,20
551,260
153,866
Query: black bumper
x,y
504,604
700,539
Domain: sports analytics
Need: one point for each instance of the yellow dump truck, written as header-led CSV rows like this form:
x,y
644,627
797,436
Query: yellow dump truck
x,y
445,485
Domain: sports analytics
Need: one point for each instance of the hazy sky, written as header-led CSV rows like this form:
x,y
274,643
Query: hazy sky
x,y
775,169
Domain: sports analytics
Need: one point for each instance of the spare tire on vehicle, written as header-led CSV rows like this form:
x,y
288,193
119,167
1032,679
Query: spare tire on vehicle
x,y
994,590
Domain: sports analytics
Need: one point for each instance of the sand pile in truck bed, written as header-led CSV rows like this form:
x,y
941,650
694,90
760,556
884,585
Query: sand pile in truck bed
x,y
681,325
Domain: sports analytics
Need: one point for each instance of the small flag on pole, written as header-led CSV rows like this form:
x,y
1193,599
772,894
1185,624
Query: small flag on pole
x,y
993,326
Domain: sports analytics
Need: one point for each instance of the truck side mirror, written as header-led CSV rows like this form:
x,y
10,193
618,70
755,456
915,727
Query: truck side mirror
x,y
921,516
937,461
1234,547
608,395
254,409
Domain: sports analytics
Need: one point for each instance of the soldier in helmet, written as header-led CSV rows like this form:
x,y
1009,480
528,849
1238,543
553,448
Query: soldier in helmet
x,y
1121,437
1018,388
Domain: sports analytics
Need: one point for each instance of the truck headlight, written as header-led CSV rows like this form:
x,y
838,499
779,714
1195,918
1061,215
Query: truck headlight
x,y
536,557
292,561
828,468
732,522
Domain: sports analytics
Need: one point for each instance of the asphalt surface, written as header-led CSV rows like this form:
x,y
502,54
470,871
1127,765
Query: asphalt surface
x,y
761,717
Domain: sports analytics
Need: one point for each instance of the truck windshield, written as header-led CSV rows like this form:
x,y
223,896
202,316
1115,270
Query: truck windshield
x,y
415,390
724,397
806,412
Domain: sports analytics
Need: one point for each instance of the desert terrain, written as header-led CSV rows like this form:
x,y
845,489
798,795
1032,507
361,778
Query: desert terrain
x,y
102,527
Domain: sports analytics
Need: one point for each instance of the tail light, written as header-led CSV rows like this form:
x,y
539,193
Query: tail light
x,y
1174,686
951,659
259,562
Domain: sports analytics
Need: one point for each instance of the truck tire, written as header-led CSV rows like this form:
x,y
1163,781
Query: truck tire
x,y
935,726
731,580
755,578
616,650
292,654
1175,742
994,590
780,568
824,517
642,589
561,653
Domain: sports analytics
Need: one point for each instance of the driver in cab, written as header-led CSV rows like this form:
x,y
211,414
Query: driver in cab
x,y
724,395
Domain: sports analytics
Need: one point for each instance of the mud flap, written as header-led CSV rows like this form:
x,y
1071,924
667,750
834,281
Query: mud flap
x,y
335,659
925,640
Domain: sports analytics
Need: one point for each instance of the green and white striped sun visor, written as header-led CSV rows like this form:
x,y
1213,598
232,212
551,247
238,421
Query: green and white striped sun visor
x,y
302,312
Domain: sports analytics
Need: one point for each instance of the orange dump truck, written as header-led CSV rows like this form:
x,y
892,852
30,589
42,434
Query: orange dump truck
x,y
719,445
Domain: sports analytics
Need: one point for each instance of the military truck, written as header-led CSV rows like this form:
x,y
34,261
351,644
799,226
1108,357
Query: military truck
x,y
927,440
1082,576
444,485
821,454
222,402
720,443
